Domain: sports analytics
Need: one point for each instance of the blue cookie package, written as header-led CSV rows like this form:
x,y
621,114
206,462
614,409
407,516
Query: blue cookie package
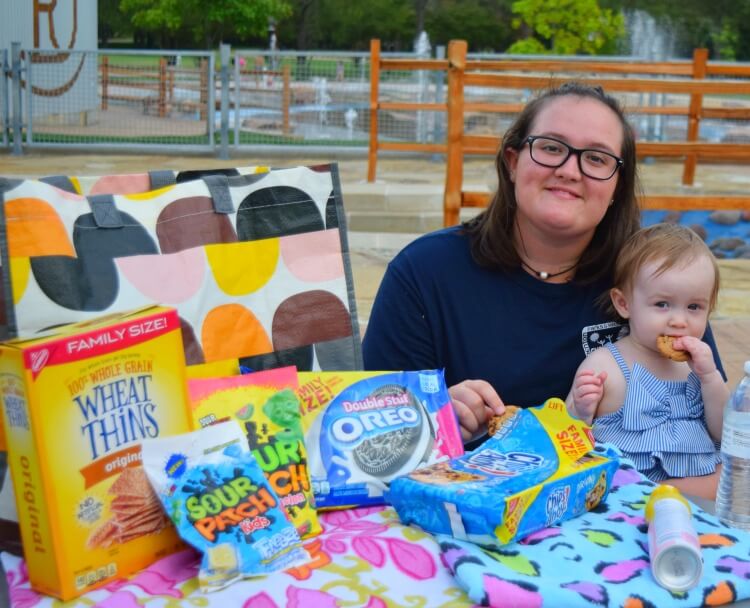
x,y
538,469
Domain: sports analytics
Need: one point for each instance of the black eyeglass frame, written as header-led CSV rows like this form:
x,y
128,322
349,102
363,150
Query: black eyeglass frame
x,y
571,150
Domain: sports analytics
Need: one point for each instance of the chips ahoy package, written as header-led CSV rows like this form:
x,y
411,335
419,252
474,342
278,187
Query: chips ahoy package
x,y
536,470
222,504
363,429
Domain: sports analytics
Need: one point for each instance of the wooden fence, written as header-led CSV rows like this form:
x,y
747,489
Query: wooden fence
x,y
259,80
154,86
693,88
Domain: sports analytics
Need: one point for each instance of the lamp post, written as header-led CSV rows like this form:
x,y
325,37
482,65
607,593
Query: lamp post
x,y
272,42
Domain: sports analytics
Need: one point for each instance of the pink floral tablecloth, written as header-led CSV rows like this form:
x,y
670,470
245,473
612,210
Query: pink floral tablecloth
x,y
364,557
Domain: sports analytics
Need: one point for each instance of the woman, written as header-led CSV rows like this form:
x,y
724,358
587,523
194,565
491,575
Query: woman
x,y
506,303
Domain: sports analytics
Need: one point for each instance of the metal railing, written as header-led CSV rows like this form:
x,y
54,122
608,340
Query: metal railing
x,y
305,101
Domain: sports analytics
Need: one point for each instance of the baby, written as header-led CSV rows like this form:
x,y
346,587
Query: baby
x,y
665,415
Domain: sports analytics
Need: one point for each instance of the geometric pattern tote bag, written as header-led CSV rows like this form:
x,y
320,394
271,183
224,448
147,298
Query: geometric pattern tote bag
x,y
256,261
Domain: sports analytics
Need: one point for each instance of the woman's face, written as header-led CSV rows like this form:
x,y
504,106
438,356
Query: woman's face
x,y
562,202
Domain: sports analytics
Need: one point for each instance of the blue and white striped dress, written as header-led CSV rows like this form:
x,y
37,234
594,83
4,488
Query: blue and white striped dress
x,y
661,426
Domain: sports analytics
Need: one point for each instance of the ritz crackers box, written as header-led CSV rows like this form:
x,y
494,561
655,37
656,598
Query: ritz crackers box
x,y
78,400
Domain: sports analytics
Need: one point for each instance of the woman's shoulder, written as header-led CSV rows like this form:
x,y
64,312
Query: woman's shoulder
x,y
446,244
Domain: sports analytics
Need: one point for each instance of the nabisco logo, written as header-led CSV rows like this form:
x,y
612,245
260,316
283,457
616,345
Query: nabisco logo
x,y
39,360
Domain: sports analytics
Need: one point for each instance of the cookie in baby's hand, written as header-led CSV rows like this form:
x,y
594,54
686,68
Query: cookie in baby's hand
x,y
494,423
664,346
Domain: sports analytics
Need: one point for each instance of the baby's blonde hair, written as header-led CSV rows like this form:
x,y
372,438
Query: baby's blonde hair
x,y
672,244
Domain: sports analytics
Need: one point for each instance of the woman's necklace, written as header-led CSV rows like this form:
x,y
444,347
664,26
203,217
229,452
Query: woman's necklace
x,y
542,274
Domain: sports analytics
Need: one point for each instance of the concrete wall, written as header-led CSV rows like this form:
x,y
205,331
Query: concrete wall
x,y
61,26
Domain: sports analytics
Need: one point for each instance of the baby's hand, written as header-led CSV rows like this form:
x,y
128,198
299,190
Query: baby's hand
x,y
587,392
701,358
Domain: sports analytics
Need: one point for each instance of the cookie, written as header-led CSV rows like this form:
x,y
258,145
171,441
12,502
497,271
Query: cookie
x,y
443,474
494,423
664,346
386,454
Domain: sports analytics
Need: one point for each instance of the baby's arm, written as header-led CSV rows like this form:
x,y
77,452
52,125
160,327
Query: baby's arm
x,y
714,389
586,393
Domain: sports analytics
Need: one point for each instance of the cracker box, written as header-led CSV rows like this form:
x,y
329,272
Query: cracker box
x,y
538,469
77,402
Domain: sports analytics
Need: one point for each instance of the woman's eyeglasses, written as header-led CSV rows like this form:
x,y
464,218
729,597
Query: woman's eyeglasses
x,y
551,152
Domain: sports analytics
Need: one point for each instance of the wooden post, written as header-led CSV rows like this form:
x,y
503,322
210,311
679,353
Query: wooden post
x,y
203,93
162,87
372,157
454,159
170,83
105,82
286,97
700,58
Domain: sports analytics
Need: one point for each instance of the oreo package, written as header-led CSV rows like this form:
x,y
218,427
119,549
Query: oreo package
x,y
538,469
363,429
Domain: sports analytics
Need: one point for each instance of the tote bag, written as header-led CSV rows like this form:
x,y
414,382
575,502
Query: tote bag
x,y
255,260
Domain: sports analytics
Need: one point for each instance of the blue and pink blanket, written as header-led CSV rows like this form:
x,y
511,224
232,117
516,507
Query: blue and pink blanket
x,y
600,559
366,557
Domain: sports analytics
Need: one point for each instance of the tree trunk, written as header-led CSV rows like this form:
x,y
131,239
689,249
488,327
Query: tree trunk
x,y
420,8
303,23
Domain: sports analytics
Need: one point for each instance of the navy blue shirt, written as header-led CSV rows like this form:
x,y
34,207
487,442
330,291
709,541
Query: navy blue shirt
x,y
437,309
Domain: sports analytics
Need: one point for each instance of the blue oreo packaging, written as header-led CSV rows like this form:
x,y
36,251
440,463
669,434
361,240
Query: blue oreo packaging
x,y
539,468
221,503
363,429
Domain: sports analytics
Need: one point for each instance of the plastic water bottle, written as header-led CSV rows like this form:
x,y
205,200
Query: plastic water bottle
x,y
733,495
673,546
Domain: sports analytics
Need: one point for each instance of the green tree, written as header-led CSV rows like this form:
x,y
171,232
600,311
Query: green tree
x,y
204,23
111,22
351,25
722,26
484,24
565,27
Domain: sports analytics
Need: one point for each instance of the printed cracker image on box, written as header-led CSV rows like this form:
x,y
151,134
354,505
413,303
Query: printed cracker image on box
x,y
77,401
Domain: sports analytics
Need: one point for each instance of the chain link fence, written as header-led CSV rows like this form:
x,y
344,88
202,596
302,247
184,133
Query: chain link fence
x,y
126,99
257,99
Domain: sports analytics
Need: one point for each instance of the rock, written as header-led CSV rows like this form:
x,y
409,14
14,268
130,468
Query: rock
x,y
700,231
672,217
743,253
726,218
729,243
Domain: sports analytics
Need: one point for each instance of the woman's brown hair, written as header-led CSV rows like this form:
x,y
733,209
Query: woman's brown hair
x,y
491,232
